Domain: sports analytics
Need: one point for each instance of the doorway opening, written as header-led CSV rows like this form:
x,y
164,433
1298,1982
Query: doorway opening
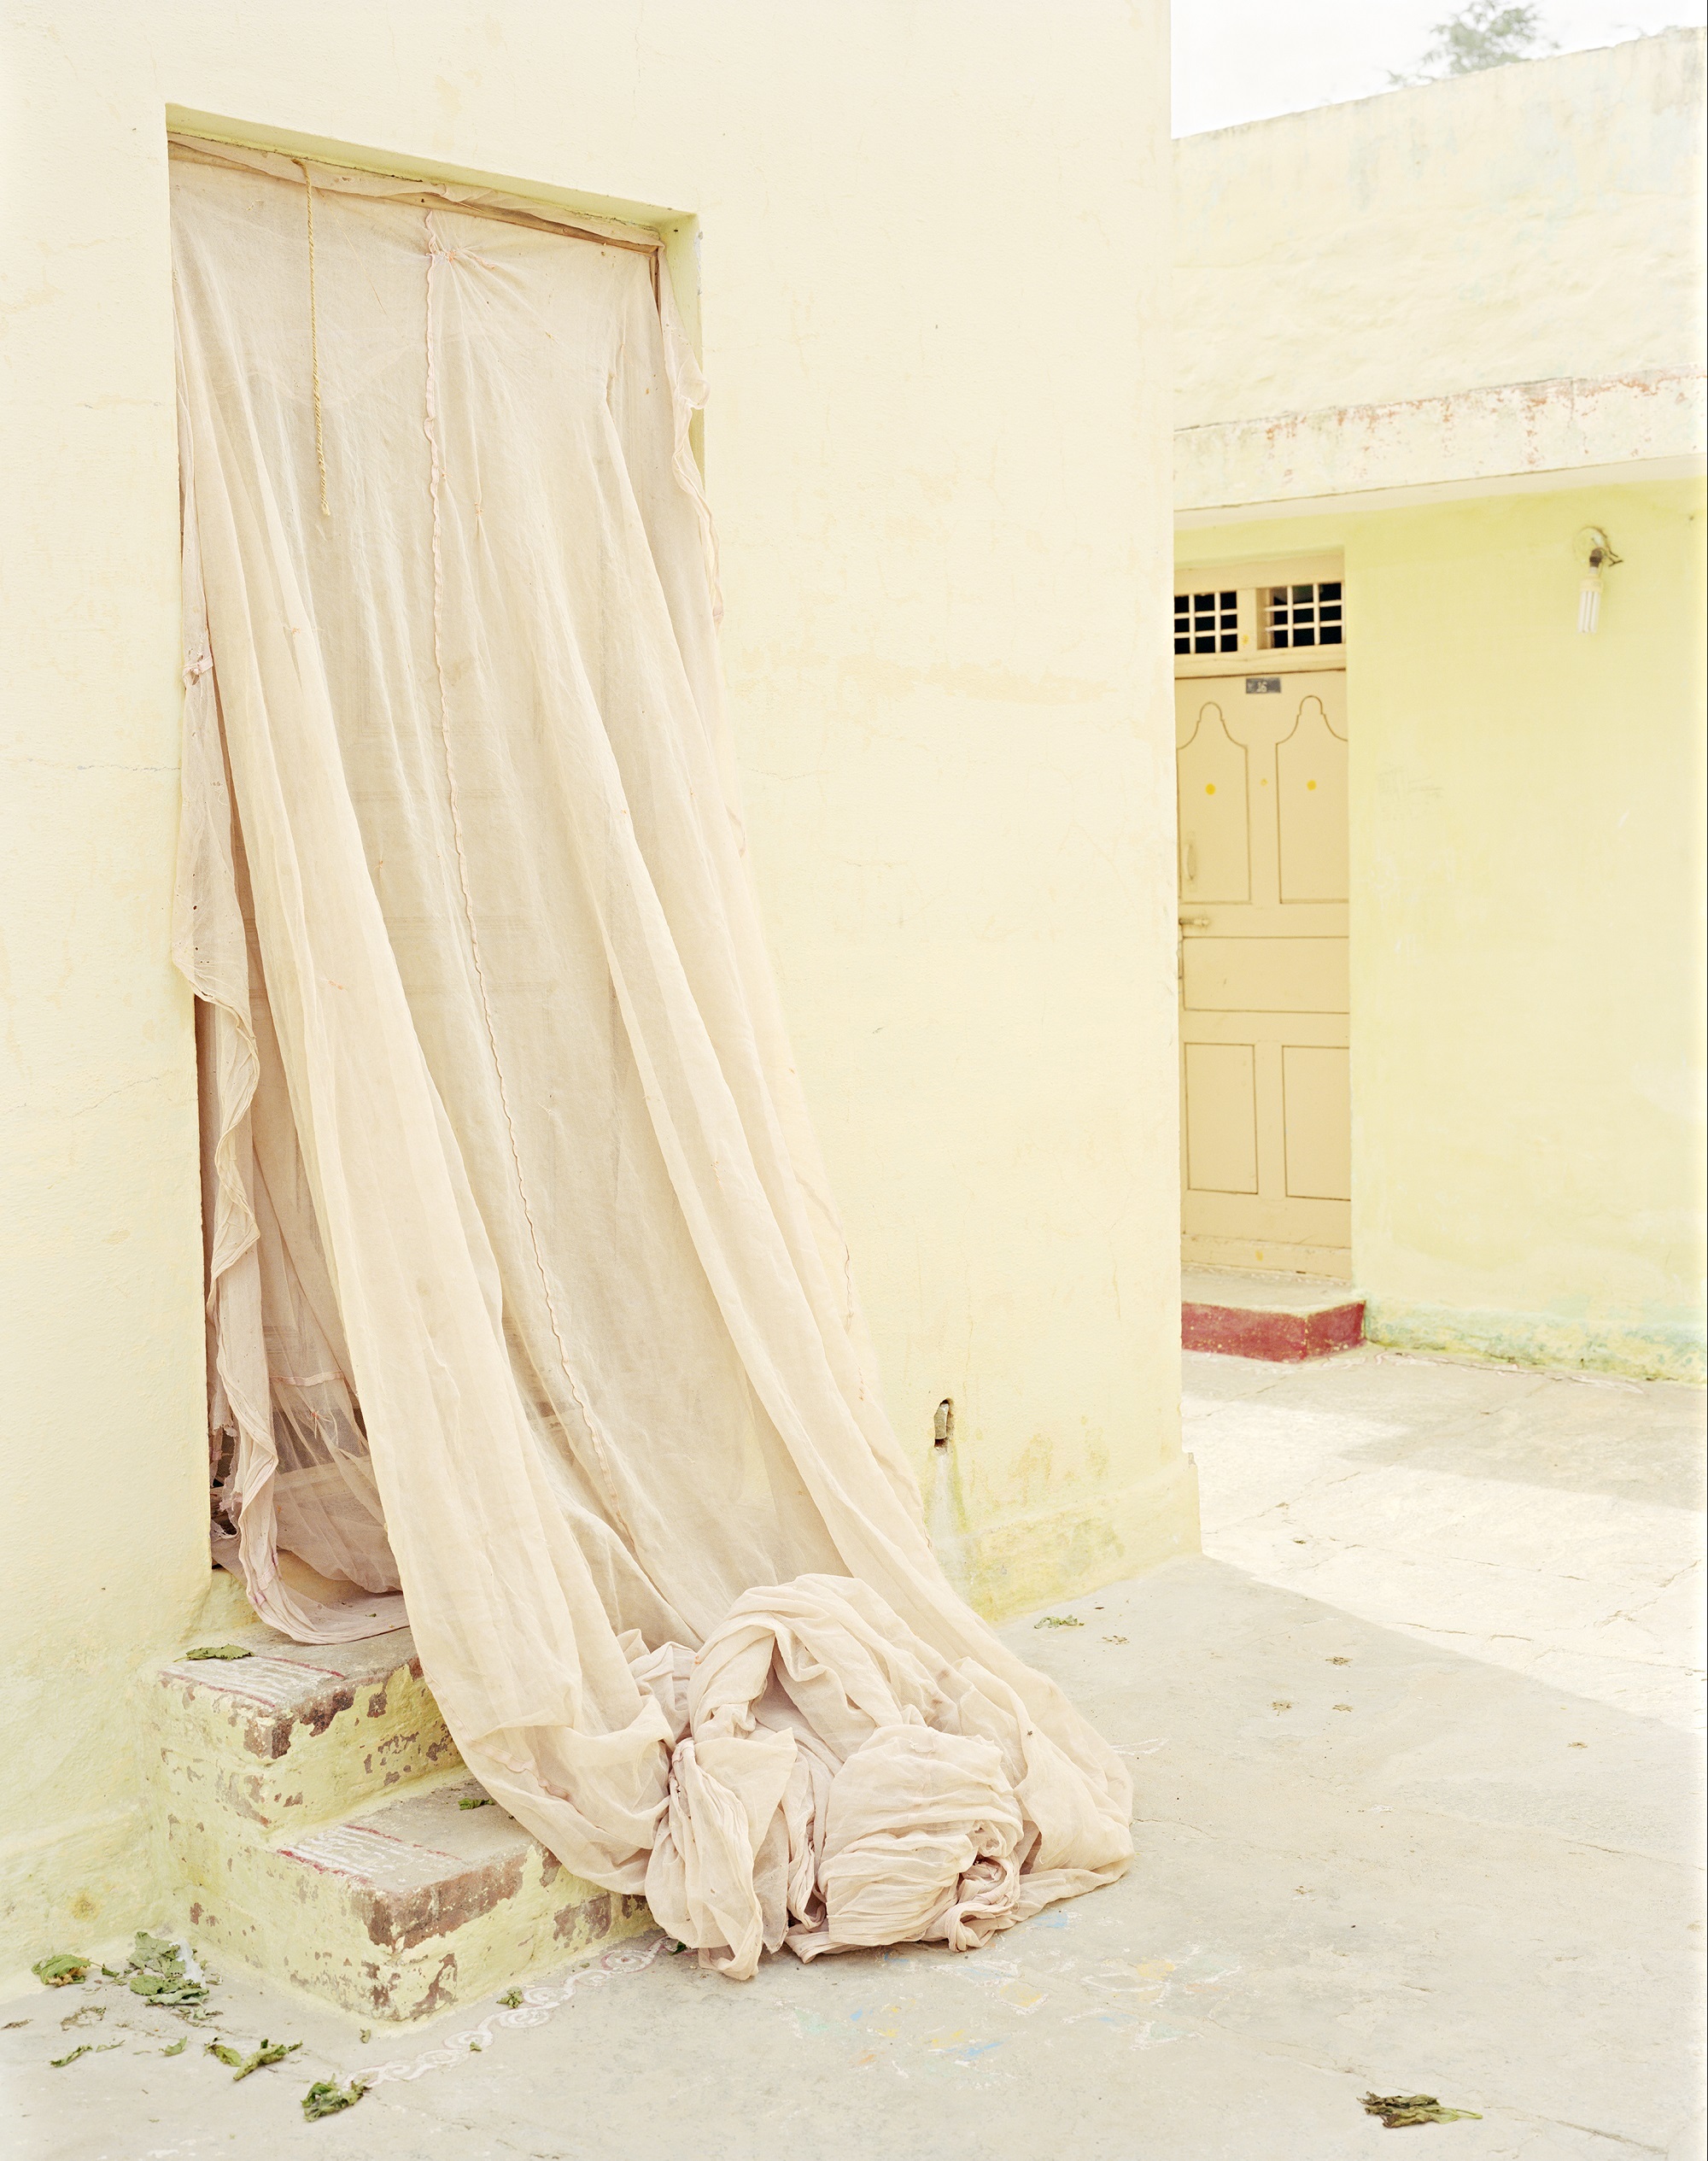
x,y
1261,755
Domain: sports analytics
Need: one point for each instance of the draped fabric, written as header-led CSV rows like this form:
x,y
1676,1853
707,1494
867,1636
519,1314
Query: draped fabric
x,y
529,1307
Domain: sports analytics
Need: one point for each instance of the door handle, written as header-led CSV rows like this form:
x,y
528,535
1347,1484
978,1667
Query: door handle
x,y
1196,922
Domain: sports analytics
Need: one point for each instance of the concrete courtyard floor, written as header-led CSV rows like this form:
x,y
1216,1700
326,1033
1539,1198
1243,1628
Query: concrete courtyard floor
x,y
1417,1810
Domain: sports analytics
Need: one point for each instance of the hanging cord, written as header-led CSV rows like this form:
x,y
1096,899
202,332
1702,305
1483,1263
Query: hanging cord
x,y
314,349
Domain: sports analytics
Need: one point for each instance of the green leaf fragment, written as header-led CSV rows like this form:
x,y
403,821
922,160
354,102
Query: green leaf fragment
x,y
326,2096
178,2047
60,1971
219,1650
1399,2111
483,1801
156,1974
510,1999
1059,1620
88,2048
269,2052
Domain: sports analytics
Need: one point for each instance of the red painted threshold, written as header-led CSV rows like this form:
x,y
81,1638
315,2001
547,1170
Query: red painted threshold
x,y
1248,1332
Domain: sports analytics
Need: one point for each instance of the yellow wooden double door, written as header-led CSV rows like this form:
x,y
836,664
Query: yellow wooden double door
x,y
1265,1100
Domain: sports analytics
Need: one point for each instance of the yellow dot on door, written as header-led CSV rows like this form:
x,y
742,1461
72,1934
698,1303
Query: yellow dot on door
x,y
1310,783
1209,788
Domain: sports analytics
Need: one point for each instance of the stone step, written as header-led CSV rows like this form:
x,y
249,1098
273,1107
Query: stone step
x,y
296,1733
399,1910
1288,1318
309,1800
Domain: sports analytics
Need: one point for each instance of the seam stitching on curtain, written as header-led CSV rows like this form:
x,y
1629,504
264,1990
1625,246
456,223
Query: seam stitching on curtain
x,y
314,347
436,255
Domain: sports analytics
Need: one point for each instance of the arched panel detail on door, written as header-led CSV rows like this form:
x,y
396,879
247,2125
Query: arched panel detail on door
x,y
1311,806
1215,812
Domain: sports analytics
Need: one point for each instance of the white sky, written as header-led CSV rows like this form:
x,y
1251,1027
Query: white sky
x,y
1248,60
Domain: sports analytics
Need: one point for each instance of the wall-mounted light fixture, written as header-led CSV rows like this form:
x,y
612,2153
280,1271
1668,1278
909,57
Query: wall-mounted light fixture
x,y
1595,550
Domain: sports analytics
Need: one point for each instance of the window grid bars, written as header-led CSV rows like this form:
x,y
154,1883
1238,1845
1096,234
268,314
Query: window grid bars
x,y
1206,622
1292,616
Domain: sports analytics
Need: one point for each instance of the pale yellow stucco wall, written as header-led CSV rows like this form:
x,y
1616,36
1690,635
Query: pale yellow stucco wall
x,y
1527,844
932,246
1532,223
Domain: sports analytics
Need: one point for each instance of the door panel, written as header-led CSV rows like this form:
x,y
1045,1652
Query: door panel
x,y
1266,1110
1311,802
1264,974
1215,813
1221,1128
1317,1094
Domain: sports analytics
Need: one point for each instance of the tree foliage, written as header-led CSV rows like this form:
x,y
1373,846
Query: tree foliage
x,y
1484,34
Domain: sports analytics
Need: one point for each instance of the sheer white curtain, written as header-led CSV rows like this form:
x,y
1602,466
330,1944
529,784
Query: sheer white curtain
x,y
526,1293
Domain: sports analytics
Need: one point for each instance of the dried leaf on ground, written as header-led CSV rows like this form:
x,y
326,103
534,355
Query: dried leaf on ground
x,y
269,2052
510,1999
479,1801
167,1992
1399,2111
178,2047
60,1971
326,2096
219,1650
88,2048
156,1973
89,2014
1059,1620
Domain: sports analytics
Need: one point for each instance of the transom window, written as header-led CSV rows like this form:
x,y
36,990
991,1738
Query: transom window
x,y
1207,621
1292,616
